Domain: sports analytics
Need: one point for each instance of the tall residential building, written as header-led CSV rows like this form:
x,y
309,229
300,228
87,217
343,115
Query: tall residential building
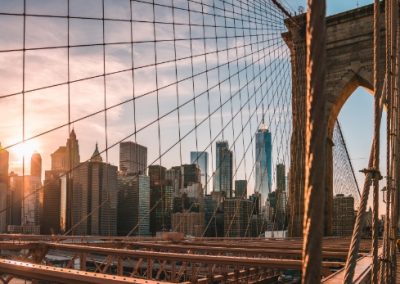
x,y
343,215
263,162
36,165
157,175
190,175
72,152
256,201
133,205
182,176
31,202
173,177
50,217
201,160
214,217
281,197
64,162
65,203
144,205
14,200
128,205
59,159
4,162
94,198
132,158
66,158
158,220
241,189
280,177
223,172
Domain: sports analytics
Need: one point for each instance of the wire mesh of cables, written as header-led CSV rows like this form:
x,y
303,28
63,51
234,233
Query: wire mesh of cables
x,y
346,192
344,179
173,76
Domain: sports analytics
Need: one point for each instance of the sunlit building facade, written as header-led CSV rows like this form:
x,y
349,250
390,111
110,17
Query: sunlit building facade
x,y
4,163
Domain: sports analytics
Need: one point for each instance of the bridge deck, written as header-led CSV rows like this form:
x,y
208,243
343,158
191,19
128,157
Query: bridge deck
x,y
361,270
398,267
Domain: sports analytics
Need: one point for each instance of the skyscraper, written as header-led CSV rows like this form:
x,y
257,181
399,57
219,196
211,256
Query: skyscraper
x,y
50,217
281,197
201,160
223,172
72,152
31,201
133,205
4,162
36,165
57,194
66,158
95,186
280,177
263,162
182,176
157,199
23,204
59,159
143,185
241,189
132,158
14,202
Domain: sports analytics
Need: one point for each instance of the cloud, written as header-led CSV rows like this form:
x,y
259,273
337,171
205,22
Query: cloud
x,y
156,90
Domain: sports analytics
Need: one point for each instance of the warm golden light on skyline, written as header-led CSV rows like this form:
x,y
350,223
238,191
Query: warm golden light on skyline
x,y
26,150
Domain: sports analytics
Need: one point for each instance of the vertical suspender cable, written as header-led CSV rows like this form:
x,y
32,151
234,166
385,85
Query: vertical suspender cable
x,y
375,263
315,142
392,225
395,214
388,5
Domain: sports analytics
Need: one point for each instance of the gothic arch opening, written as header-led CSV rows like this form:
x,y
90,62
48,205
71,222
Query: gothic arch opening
x,y
347,90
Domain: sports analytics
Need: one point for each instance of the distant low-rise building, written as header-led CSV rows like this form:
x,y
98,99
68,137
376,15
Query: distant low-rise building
x,y
189,223
237,217
343,215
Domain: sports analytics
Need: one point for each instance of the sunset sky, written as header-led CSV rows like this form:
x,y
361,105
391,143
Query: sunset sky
x,y
48,108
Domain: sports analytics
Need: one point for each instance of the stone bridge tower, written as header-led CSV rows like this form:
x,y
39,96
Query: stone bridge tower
x,y
349,54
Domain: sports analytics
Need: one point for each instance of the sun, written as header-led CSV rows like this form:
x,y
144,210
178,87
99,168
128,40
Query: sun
x,y
25,149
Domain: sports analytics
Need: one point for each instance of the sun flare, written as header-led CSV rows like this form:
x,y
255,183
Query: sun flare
x,y
25,149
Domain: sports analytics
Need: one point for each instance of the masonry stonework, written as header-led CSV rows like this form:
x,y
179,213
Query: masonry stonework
x,y
349,65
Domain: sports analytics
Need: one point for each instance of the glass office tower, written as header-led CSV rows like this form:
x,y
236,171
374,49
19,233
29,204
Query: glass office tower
x,y
263,163
201,160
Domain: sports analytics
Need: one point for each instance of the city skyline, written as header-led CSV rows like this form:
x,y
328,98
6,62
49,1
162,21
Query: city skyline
x,y
43,146
167,140
59,160
199,141
46,109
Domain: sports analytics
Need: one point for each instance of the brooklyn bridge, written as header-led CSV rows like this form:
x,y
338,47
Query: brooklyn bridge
x,y
197,141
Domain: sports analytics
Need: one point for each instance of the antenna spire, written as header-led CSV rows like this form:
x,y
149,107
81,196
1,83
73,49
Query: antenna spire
x,y
262,114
